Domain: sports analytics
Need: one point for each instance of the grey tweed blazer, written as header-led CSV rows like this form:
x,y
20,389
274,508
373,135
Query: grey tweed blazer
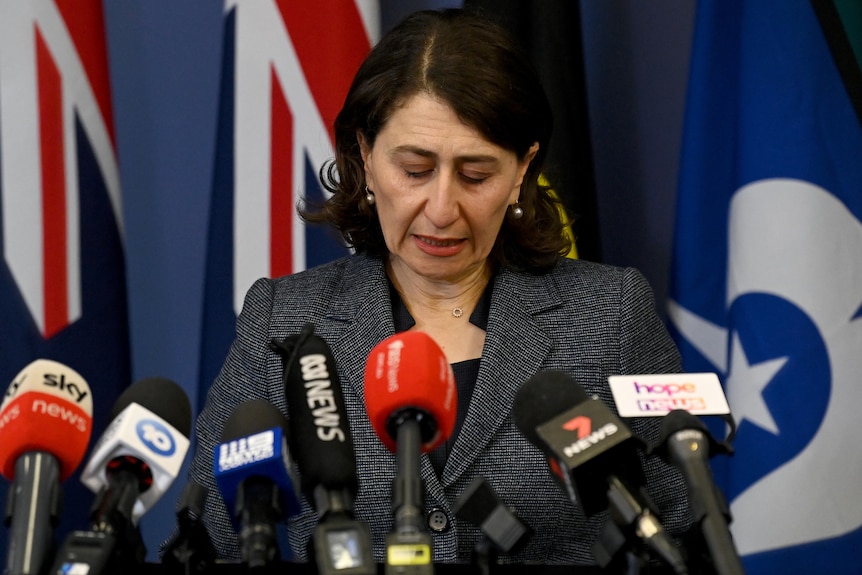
x,y
586,319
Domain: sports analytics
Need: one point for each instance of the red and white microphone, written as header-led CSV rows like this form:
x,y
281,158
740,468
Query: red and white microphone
x,y
46,420
411,399
407,377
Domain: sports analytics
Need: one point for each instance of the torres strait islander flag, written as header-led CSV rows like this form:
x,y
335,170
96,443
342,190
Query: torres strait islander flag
x,y
286,69
767,282
62,272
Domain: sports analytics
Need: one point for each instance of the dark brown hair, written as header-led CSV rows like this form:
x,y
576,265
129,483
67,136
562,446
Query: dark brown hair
x,y
475,67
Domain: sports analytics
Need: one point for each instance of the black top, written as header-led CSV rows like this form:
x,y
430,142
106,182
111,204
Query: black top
x,y
466,372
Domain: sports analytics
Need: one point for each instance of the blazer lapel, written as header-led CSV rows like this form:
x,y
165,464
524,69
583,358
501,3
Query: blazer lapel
x,y
360,318
515,349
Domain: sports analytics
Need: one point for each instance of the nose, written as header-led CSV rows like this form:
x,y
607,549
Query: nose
x,y
441,207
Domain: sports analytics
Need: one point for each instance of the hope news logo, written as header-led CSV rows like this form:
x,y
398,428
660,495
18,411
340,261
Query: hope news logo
x,y
664,397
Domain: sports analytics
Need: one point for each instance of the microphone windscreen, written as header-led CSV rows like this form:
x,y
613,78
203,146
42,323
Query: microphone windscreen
x,y
151,422
250,417
677,420
320,440
163,397
254,444
409,371
541,398
48,407
479,505
477,502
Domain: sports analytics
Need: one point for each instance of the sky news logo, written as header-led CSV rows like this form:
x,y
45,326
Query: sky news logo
x,y
656,395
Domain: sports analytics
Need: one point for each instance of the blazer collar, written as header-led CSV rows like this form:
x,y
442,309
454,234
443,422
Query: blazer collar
x,y
516,346
361,315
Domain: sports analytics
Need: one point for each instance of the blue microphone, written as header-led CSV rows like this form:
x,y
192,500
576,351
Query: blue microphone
x,y
255,476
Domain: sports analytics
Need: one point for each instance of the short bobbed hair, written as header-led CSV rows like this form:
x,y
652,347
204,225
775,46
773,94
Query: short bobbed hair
x,y
474,66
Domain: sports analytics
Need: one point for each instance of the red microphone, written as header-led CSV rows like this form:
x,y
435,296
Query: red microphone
x,y
407,376
411,399
48,407
45,425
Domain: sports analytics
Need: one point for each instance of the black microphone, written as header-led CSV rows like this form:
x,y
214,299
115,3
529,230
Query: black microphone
x,y
502,530
254,474
593,455
133,464
686,444
322,447
190,550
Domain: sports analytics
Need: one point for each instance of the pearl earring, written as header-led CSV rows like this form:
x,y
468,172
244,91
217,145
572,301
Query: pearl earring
x,y
369,196
517,211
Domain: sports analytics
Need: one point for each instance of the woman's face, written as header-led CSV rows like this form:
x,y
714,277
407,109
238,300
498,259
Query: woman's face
x,y
441,189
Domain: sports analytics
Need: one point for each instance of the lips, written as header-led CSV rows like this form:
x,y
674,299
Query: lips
x,y
439,246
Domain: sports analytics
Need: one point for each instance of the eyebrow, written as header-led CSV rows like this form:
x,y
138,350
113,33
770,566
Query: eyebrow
x,y
476,158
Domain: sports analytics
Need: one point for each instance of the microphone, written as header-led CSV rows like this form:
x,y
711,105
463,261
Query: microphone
x,y
411,399
686,444
592,454
190,550
45,425
322,447
503,531
134,462
254,474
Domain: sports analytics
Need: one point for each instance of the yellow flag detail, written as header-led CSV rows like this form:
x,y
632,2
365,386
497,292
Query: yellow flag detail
x,y
567,229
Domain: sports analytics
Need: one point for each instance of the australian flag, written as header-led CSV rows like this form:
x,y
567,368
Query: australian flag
x,y
286,69
62,274
767,271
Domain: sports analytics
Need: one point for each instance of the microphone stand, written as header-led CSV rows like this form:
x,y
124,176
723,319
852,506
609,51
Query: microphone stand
x,y
408,547
113,543
633,531
36,484
484,555
687,444
191,551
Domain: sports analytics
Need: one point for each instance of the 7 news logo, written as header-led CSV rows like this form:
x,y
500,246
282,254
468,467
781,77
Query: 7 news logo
x,y
583,426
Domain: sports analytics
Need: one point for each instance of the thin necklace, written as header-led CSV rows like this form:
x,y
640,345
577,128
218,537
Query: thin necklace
x,y
457,312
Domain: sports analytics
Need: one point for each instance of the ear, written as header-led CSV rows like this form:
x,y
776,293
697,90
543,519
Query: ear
x,y
523,164
365,152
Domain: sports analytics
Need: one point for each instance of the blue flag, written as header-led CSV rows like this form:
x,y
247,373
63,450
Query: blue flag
x,y
62,274
275,130
767,271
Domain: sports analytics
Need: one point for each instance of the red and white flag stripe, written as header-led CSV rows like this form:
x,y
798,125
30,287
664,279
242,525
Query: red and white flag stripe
x,y
53,70
294,62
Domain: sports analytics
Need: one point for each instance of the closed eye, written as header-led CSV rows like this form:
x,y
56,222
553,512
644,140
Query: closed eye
x,y
417,173
476,179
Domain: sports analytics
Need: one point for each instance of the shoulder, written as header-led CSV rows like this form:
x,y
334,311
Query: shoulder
x,y
337,291
578,283
319,282
587,273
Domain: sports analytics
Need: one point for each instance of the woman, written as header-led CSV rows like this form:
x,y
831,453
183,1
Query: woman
x,y
439,147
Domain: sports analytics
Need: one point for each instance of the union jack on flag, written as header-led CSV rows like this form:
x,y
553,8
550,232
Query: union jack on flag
x,y
286,69
62,274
